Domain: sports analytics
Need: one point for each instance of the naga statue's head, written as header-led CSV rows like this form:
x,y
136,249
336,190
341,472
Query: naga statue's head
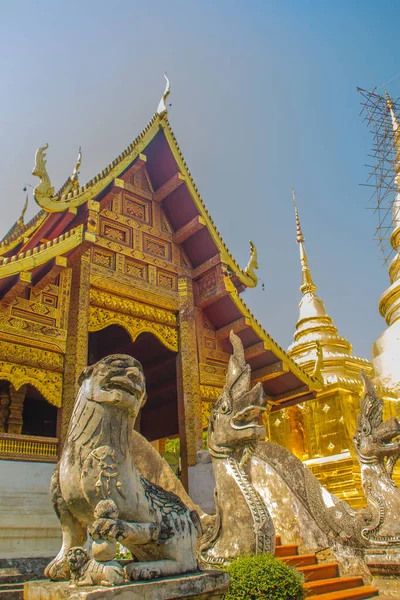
x,y
373,438
236,416
117,380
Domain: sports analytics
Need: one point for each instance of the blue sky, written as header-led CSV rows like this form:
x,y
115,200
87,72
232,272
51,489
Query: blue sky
x,y
263,99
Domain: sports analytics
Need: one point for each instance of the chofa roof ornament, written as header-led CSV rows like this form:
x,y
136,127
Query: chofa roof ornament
x,y
44,191
162,107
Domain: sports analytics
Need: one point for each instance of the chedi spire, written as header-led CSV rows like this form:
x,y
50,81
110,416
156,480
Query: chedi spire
x,y
307,284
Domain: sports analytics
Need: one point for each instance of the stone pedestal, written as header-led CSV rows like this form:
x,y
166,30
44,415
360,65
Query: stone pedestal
x,y
208,585
384,566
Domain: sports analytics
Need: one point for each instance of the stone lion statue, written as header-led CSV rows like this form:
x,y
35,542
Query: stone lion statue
x,y
86,571
98,464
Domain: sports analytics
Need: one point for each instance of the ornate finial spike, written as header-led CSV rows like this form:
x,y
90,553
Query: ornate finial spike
x,y
307,284
252,264
300,236
75,172
162,107
20,222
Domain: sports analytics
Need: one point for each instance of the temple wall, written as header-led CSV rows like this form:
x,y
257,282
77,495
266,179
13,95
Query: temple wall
x,y
28,524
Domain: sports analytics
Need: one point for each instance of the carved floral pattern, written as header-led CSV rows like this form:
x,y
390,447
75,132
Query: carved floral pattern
x,y
48,383
99,318
129,307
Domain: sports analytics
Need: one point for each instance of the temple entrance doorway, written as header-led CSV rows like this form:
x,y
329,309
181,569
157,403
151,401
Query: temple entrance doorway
x,y
158,419
39,417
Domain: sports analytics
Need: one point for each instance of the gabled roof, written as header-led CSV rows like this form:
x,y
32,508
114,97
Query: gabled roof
x,y
63,225
154,133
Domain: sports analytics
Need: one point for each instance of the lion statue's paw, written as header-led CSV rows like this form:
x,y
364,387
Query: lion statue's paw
x,y
136,572
58,570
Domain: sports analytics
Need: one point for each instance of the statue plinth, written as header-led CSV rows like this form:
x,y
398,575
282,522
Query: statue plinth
x,y
383,561
384,565
207,585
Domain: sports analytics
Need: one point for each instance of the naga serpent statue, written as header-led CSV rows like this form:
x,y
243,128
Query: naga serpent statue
x,y
268,475
243,524
378,451
97,485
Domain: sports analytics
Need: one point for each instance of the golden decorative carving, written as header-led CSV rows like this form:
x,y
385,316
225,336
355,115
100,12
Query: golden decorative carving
x,y
99,318
30,356
212,375
25,261
116,232
252,265
104,258
162,107
48,383
206,408
157,247
44,192
210,392
134,309
24,447
136,269
122,287
137,208
77,346
167,280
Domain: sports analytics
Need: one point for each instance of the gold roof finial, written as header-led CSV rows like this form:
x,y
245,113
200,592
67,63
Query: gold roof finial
x,y
307,284
20,222
162,107
300,236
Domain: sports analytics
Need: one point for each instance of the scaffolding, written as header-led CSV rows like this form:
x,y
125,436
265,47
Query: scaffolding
x,y
380,180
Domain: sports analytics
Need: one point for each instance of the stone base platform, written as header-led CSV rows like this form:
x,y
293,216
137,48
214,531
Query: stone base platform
x,y
207,585
384,566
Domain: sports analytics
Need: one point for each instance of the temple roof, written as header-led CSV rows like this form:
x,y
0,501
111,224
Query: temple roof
x,y
63,226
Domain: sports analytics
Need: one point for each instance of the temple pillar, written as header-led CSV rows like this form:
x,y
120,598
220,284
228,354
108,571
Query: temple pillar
x,y
4,408
17,398
189,398
76,355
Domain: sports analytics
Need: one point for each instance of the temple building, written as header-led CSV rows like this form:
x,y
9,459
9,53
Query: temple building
x,y
130,262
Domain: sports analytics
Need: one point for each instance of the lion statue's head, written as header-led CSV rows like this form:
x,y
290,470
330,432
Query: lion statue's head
x,y
117,380
77,558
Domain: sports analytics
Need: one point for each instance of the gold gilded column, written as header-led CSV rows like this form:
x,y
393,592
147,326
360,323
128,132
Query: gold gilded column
x,y
77,339
16,408
189,399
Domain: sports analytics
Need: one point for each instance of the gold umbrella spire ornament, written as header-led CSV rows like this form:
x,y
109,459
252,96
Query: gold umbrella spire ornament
x,y
307,284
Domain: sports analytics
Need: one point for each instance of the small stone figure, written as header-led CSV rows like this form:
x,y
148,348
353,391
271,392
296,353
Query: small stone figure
x,y
87,571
